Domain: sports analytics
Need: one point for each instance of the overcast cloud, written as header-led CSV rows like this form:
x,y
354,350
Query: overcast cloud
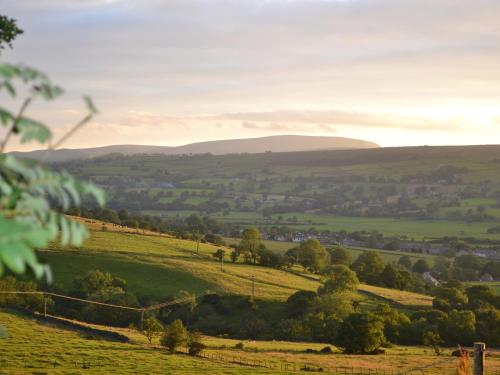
x,y
171,72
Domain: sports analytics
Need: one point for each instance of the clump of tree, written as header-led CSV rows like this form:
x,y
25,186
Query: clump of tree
x,y
100,287
176,336
338,278
361,333
368,266
250,245
311,255
339,255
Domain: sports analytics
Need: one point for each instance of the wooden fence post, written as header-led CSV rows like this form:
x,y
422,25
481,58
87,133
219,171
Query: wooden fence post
x,y
479,358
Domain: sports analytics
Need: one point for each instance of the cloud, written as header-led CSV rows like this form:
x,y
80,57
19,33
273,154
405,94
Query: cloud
x,y
164,65
288,128
326,119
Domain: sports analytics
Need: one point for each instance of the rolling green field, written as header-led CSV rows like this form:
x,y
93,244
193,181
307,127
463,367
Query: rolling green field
x,y
33,347
39,348
157,267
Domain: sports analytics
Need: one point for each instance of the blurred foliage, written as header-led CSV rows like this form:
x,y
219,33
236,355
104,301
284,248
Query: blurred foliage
x,y
33,198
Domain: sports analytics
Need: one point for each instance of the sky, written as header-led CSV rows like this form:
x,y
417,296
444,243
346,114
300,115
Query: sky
x,y
171,72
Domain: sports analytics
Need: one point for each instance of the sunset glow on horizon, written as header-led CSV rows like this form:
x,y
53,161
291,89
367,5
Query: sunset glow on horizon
x,y
175,72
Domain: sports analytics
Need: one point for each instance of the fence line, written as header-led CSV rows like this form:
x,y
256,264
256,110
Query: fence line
x,y
141,309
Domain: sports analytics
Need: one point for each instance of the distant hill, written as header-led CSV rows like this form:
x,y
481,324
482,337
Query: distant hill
x,y
279,143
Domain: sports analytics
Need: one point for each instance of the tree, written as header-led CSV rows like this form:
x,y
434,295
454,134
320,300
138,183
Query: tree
x,y
269,258
421,266
405,261
339,255
8,31
300,302
175,335
448,298
251,243
368,266
361,333
338,278
219,254
393,278
460,327
339,304
194,344
152,328
488,326
482,296
235,254
432,339
395,323
93,282
197,236
310,255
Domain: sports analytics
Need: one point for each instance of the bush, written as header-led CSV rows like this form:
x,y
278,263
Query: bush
x,y
175,336
195,346
326,350
239,345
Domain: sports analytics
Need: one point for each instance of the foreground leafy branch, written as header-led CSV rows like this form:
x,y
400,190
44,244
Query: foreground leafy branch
x,y
33,197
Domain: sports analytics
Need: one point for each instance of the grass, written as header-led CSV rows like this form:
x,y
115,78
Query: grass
x,y
392,227
41,348
157,267
45,349
400,296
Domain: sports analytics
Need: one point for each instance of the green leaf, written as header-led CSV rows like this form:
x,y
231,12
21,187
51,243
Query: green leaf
x,y
47,91
8,71
33,130
9,254
5,116
96,192
10,89
65,231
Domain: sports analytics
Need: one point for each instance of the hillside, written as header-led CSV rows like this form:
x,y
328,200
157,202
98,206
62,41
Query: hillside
x,y
37,347
156,267
279,143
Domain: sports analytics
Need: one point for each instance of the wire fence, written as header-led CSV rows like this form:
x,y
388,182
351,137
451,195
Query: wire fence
x,y
140,310
268,363
443,366
288,366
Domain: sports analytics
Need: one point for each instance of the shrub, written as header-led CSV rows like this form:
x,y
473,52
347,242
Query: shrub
x,y
239,345
433,339
175,336
326,350
195,346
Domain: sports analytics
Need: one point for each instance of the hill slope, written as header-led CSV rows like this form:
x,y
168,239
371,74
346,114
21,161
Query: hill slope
x,y
34,347
280,143
156,267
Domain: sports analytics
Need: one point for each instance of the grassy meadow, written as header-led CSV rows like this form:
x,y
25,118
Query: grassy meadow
x,y
43,348
156,267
